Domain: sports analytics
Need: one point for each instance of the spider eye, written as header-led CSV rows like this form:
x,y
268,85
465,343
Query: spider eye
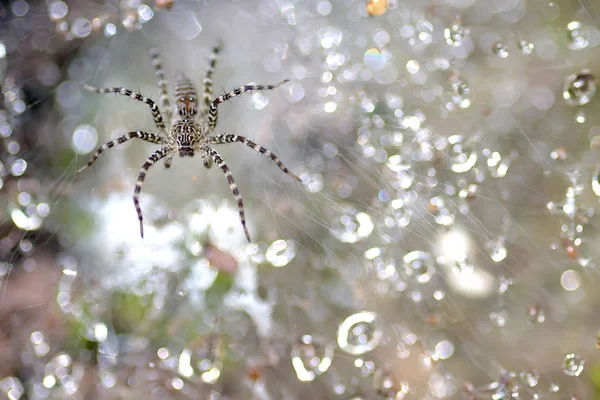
x,y
182,99
192,99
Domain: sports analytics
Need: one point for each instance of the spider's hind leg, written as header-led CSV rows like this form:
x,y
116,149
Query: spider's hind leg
x,y
206,160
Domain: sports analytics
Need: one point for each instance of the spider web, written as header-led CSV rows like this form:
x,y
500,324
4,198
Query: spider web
x,y
324,249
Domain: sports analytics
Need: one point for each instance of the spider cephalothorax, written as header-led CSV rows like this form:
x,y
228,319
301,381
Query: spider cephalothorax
x,y
190,128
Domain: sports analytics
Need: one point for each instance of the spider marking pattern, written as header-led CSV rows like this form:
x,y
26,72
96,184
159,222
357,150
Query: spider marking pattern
x,y
191,128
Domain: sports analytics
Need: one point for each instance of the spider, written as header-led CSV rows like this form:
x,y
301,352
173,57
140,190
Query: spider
x,y
191,128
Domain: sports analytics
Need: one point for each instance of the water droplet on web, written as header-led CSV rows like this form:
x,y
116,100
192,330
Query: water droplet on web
x,y
359,333
459,94
28,215
580,117
500,50
579,88
281,252
352,226
110,30
12,388
499,318
401,212
81,27
18,167
455,34
374,60
577,35
573,364
596,179
62,376
536,314
201,359
496,249
310,358
387,387
419,265
366,367
530,378
526,47
441,214
376,8
260,101
20,8
58,10
462,155
84,139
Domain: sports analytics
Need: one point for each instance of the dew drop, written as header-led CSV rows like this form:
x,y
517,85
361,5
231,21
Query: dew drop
x,y
531,378
579,88
596,175
199,360
573,364
310,358
20,8
500,50
419,265
577,35
12,387
499,318
496,250
441,214
455,34
281,252
359,333
58,10
260,100
110,30
374,60
81,27
324,7
376,8
352,226
387,387
462,156
84,139
18,168
526,47
459,93
536,314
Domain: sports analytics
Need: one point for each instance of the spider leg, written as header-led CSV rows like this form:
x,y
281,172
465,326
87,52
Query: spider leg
x,y
168,161
156,156
208,94
216,158
165,103
231,138
212,111
156,115
147,136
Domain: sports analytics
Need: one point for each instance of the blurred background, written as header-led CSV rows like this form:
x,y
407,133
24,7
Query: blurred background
x,y
442,244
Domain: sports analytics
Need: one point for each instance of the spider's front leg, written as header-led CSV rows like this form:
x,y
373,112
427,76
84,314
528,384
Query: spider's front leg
x,y
212,111
156,115
147,136
156,156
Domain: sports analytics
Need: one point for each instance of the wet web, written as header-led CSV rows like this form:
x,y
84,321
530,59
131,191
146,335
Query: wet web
x,y
414,247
